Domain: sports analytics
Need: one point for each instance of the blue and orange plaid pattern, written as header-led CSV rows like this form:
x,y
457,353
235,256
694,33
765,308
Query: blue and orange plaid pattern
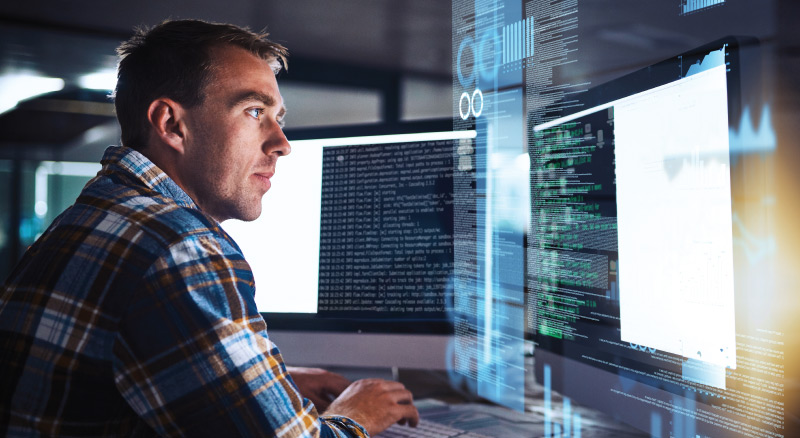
x,y
133,315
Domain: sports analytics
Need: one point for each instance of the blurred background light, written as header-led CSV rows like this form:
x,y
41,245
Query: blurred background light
x,y
101,80
16,87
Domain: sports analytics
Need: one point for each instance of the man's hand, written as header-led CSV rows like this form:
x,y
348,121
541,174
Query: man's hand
x,y
376,404
318,385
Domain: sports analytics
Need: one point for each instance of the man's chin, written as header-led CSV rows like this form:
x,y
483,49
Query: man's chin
x,y
245,215
249,215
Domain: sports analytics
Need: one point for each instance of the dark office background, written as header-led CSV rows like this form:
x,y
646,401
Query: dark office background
x,y
353,62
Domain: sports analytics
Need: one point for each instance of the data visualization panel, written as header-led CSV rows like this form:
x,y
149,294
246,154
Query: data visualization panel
x,y
653,287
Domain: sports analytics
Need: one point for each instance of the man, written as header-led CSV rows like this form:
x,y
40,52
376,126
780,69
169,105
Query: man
x,y
134,314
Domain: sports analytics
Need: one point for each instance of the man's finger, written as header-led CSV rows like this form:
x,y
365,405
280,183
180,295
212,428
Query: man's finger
x,y
402,396
410,415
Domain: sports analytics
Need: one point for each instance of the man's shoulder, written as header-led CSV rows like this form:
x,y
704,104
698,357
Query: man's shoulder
x,y
114,207
117,231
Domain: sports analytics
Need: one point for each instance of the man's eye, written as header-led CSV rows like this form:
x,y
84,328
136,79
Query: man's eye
x,y
256,112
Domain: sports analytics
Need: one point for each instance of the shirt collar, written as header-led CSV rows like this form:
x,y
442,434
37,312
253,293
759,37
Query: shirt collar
x,y
133,163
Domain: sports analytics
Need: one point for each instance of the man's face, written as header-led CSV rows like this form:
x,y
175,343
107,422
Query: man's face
x,y
234,138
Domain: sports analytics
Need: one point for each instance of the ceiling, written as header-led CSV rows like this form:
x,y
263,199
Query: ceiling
x,y
409,35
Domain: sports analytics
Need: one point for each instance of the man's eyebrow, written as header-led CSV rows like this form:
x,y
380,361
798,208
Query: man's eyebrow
x,y
252,96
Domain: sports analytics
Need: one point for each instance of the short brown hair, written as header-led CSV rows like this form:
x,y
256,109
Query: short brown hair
x,y
173,59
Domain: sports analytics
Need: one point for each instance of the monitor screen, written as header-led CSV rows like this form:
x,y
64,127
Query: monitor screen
x,y
356,237
633,295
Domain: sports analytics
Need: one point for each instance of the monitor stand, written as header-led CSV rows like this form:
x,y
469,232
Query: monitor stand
x,y
364,350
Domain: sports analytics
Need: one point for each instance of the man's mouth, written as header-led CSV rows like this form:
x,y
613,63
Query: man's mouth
x,y
264,179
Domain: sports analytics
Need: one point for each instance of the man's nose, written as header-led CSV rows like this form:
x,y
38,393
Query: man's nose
x,y
280,144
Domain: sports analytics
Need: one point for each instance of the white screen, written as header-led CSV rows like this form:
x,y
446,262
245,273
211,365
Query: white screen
x,y
674,219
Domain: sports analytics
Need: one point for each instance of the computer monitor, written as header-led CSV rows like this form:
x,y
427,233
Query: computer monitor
x,y
353,253
639,298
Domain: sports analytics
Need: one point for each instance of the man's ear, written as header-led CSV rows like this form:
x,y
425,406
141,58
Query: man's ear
x,y
166,117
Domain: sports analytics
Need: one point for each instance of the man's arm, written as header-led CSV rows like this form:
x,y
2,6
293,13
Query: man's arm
x,y
192,356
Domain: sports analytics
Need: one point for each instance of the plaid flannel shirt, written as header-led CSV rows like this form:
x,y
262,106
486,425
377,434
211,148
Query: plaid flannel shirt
x,y
133,315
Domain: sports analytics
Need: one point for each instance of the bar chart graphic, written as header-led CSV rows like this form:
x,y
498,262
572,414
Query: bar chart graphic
x,y
518,40
691,6
571,422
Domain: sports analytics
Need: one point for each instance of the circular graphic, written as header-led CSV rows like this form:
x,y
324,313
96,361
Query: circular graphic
x,y
492,39
473,103
464,114
468,80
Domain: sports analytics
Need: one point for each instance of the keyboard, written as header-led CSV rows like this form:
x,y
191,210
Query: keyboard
x,y
427,429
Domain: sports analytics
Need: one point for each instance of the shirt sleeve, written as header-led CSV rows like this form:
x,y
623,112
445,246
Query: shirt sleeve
x,y
192,356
